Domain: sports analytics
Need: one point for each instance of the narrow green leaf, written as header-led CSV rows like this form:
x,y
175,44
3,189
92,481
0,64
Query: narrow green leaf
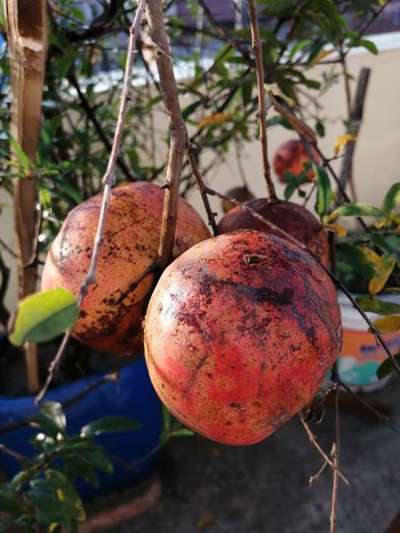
x,y
392,198
109,424
324,191
23,159
375,305
387,367
357,209
43,316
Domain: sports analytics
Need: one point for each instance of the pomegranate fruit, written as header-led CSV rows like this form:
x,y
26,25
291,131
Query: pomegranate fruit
x,y
112,312
292,157
296,220
241,194
239,334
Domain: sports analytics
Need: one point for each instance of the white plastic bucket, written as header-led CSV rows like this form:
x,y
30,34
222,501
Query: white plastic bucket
x,y
361,356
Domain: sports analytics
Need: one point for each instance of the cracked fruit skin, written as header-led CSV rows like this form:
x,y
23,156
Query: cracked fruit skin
x,y
239,334
111,314
291,156
296,220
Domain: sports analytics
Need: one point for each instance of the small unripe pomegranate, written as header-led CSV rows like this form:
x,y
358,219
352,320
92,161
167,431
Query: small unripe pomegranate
x,y
112,312
296,220
241,194
292,157
239,334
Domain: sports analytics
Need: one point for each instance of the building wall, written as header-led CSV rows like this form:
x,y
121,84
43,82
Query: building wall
x,y
377,158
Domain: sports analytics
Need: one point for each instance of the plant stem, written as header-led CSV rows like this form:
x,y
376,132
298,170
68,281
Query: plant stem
x,y
262,112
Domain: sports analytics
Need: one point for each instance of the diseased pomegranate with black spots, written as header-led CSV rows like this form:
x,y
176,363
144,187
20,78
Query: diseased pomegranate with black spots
x,y
239,334
112,312
294,219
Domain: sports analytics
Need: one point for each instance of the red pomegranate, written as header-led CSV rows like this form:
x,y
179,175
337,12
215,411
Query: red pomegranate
x,y
296,220
112,312
292,157
239,334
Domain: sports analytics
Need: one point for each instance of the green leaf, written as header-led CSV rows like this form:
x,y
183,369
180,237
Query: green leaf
x,y
51,418
375,305
392,198
357,209
387,367
368,45
388,243
67,493
324,191
109,424
353,268
9,501
45,198
23,159
43,316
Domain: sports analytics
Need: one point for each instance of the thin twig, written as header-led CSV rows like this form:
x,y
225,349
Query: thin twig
x,y
191,153
178,131
362,401
8,249
314,442
91,114
15,455
335,458
378,337
18,424
256,43
108,183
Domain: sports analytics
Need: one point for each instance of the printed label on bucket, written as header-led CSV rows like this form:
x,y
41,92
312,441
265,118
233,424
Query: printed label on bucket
x,y
361,357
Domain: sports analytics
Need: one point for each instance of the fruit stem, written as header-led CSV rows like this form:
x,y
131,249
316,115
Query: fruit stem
x,y
262,112
178,130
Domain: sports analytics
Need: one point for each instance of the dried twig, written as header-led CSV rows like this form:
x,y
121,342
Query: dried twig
x,y
15,455
256,43
355,118
18,424
191,153
177,128
108,183
335,458
314,442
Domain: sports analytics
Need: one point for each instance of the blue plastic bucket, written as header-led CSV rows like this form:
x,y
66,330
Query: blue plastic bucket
x,y
132,452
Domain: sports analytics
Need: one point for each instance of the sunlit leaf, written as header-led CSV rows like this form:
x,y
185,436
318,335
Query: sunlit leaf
x,y
382,273
356,209
340,230
109,424
215,119
378,306
392,198
342,140
388,324
43,316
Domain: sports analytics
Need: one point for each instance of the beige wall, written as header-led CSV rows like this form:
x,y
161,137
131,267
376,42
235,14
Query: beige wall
x,y
377,159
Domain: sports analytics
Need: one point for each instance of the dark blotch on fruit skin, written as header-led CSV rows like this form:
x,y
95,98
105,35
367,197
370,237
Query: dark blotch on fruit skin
x,y
292,218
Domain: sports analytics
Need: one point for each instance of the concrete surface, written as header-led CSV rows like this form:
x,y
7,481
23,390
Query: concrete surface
x,y
264,488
